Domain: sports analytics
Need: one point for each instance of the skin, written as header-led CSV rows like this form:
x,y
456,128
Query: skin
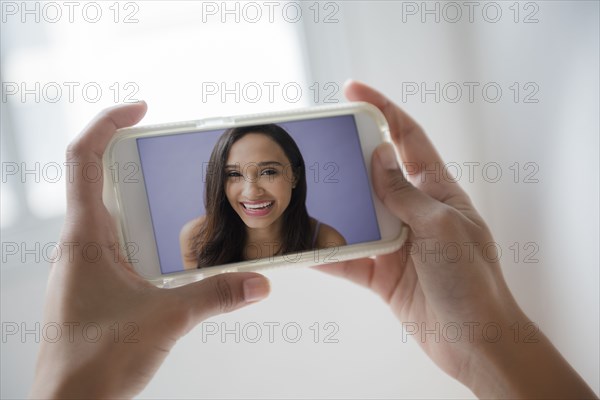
x,y
431,288
108,292
257,169
418,289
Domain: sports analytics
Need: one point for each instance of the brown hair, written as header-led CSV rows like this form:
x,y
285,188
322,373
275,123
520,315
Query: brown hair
x,y
222,236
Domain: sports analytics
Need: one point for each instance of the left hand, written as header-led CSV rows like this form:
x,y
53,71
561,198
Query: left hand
x,y
116,327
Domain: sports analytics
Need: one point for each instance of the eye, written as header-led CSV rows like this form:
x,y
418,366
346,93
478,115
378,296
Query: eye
x,y
232,174
269,171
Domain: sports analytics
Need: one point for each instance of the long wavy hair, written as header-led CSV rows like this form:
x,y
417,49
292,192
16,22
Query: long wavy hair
x,y
221,238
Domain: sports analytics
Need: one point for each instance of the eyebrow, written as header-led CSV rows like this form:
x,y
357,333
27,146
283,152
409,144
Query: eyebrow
x,y
260,164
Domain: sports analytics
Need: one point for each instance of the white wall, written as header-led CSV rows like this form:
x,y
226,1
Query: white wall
x,y
556,217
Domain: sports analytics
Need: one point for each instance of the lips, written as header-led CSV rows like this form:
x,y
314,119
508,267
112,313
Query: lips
x,y
257,208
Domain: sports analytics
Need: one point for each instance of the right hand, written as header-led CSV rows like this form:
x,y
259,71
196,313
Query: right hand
x,y
426,281
431,286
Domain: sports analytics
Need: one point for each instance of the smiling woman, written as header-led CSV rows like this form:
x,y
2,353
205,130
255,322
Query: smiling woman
x,y
255,200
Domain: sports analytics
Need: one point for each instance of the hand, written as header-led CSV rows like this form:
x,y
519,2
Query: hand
x,y
447,278
117,328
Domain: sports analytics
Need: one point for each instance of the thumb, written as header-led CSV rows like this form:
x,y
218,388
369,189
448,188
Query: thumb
x,y
400,196
223,293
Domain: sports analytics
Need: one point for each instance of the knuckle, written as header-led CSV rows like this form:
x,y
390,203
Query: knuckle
x,y
224,295
442,219
107,117
74,150
397,183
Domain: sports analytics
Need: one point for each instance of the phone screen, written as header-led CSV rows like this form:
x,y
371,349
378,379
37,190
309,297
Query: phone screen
x,y
302,183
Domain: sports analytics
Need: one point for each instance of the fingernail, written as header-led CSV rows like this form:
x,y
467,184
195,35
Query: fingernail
x,y
256,289
387,156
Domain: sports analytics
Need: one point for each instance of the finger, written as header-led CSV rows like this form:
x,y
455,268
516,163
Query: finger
x,y
404,200
84,154
359,271
413,144
381,277
423,165
223,293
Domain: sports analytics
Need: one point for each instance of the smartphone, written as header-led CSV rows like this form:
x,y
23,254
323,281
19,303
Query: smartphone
x,y
245,193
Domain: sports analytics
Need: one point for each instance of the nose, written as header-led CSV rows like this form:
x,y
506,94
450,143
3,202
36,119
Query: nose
x,y
252,188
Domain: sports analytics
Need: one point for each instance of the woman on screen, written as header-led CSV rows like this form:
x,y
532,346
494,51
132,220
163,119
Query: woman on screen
x,y
255,200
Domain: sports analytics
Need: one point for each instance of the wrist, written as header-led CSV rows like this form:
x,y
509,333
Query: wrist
x,y
496,364
522,363
57,386
69,380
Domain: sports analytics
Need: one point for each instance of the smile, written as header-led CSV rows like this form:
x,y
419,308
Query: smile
x,y
257,208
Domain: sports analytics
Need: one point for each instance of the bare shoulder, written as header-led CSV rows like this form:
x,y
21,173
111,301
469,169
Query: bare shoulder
x,y
328,236
185,240
190,227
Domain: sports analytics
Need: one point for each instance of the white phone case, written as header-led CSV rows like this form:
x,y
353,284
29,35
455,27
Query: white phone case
x,y
113,200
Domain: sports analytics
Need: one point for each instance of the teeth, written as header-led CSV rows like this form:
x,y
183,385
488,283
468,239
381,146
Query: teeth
x,y
258,206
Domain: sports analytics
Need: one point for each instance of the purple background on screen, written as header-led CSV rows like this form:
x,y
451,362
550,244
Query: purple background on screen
x,y
173,172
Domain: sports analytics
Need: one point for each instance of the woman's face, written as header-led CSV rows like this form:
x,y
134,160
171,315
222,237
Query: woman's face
x,y
258,180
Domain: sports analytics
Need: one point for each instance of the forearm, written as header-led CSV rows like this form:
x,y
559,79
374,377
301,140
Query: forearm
x,y
73,387
525,369
55,379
